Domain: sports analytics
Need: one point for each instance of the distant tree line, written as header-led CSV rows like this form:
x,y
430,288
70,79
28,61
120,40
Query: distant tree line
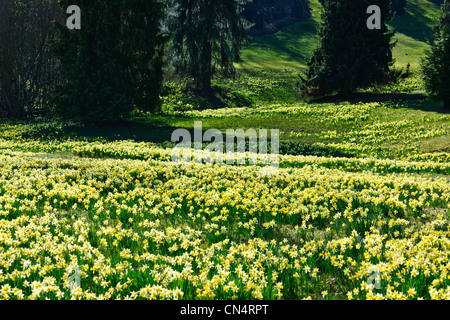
x,y
114,64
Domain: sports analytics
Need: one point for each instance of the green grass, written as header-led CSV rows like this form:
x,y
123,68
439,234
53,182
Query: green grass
x,y
314,125
291,47
414,30
288,49
324,128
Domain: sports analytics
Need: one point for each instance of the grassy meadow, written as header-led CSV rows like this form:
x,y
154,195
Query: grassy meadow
x,y
358,209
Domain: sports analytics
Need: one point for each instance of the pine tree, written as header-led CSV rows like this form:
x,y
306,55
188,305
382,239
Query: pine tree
x,y
113,64
436,65
350,56
398,6
207,37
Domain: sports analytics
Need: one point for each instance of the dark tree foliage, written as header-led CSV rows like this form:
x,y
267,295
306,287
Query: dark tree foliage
x,y
270,16
27,69
113,65
436,65
350,56
207,37
398,6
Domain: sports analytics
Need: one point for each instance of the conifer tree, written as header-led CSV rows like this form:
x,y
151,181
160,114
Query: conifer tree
x,y
350,56
398,6
113,64
207,37
436,65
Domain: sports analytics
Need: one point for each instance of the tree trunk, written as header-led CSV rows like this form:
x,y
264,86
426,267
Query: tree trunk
x,y
205,63
206,67
12,107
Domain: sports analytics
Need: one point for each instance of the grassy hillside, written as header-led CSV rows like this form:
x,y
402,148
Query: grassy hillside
x,y
291,47
288,49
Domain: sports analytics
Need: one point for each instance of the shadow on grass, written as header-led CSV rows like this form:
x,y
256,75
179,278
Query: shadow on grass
x,y
294,43
416,101
370,97
218,97
418,21
156,132
160,134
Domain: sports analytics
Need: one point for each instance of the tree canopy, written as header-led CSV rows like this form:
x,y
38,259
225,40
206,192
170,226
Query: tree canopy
x,y
113,64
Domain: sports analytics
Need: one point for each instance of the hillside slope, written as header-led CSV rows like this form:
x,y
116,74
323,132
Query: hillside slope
x,y
291,47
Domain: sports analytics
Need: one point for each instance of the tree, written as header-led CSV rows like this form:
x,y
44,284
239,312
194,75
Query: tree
x,y
350,56
207,37
27,68
398,6
436,64
113,64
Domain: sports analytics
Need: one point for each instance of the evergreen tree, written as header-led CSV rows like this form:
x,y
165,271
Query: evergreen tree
x,y
436,65
350,55
207,37
113,64
398,6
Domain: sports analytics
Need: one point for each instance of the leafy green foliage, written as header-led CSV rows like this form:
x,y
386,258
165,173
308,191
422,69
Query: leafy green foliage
x,y
113,64
246,89
183,98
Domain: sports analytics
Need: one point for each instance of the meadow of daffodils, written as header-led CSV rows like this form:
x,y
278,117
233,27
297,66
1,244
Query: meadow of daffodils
x,y
139,226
